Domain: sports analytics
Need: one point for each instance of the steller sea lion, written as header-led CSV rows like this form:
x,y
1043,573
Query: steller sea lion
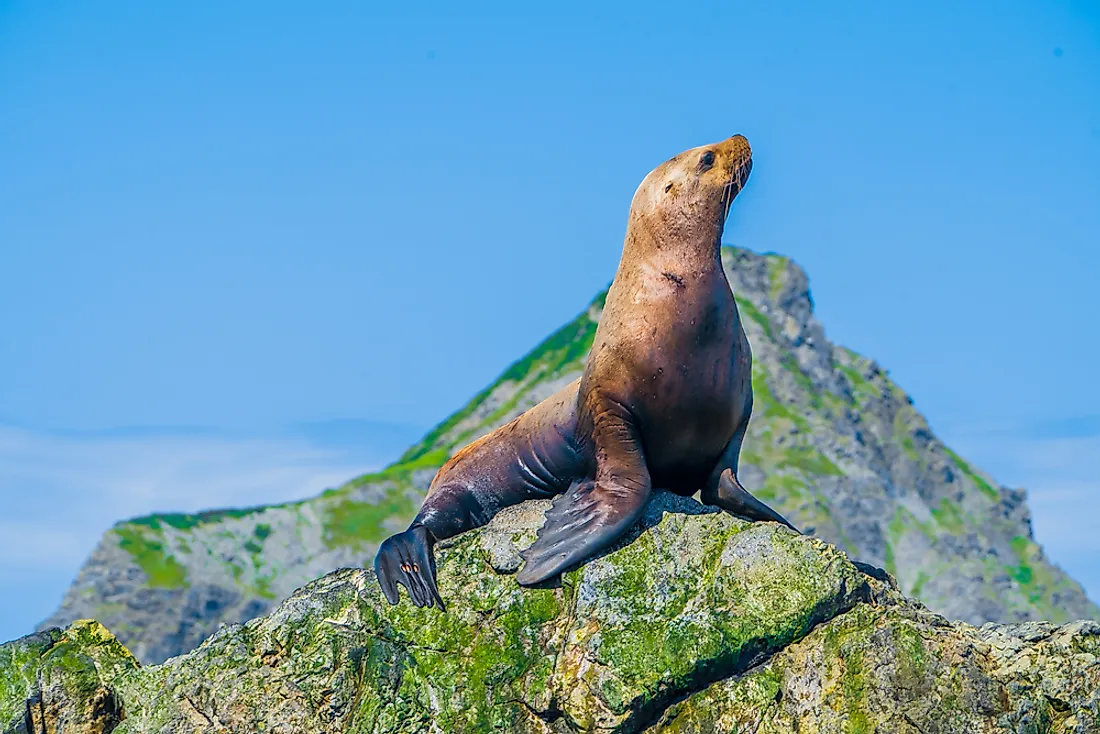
x,y
664,400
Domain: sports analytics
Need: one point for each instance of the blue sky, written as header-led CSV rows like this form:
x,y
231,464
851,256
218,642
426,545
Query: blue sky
x,y
220,223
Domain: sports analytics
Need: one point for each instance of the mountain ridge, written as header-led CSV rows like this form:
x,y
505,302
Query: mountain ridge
x,y
834,445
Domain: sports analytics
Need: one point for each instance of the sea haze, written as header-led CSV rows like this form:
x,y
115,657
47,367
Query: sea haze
x,y
61,491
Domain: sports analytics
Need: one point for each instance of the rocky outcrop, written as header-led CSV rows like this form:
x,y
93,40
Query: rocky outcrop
x,y
834,445
698,622
63,681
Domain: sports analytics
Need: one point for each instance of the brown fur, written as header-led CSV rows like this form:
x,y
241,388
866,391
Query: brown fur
x,y
665,397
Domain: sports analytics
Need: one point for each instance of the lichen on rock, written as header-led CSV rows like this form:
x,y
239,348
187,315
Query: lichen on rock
x,y
62,681
695,622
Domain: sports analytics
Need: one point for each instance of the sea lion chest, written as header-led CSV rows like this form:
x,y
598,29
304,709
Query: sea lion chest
x,y
669,349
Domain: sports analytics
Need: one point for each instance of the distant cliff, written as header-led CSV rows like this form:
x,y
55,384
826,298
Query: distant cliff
x,y
834,444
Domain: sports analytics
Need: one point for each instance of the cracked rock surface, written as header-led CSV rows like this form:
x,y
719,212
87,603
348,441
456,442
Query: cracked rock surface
x,y
697,622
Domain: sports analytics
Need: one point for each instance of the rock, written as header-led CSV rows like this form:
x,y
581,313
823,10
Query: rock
x,y
696,622
62,681
833,444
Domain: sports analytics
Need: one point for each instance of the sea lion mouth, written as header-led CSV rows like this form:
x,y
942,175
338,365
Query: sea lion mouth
x,y
739,177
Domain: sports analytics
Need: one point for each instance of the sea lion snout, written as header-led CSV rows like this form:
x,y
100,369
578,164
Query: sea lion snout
x,y
736,147
738,154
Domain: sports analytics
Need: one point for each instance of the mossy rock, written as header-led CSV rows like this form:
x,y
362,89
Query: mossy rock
x,y
696,622
62,681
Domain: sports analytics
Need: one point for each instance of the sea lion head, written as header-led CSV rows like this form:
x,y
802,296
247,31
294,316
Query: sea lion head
x,y
690,195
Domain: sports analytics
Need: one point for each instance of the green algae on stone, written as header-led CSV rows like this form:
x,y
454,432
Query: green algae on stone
x,y
63,680
696,622
733,592
897,668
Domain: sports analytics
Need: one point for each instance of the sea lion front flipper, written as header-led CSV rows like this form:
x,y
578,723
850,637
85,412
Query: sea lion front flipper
x,y
593,513
407,559
581,523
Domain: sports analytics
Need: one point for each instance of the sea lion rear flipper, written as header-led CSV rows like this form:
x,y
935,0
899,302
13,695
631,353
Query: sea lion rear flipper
x,y
581,523
735,499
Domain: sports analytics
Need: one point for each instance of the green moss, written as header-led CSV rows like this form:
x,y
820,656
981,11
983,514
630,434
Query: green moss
x,y
809,460
181,521
903,521
911,644
476,661
787,489
146,547
83,659
777,275
1023,574
656,636
918,585
748,308
262,587
352,523
854,684
903,433
19,664
818,399
983,486
741,704
429,460
842,642
948,516
863,390
1029,571
765,403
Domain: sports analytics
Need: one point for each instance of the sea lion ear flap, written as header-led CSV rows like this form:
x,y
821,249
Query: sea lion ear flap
x,y
585,520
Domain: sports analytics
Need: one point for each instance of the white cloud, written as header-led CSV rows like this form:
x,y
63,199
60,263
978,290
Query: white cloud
x,y
59,493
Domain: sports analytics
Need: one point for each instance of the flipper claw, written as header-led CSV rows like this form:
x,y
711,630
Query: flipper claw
x,y
407,559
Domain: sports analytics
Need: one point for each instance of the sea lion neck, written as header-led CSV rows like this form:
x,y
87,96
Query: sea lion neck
x,y
668,238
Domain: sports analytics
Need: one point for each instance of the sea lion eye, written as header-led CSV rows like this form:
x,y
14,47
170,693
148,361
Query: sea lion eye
x,y
706,161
